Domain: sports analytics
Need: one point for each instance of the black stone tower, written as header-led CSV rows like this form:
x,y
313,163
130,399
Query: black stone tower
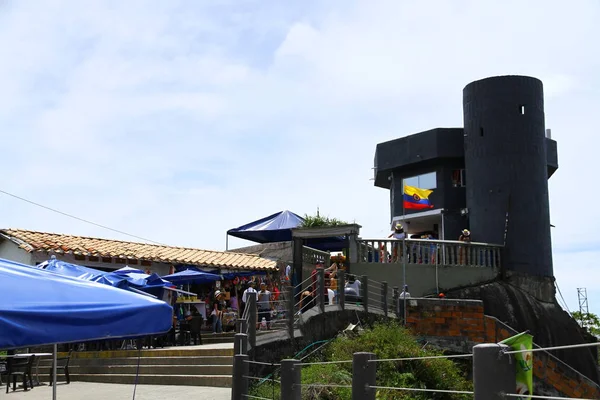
x,y
505,160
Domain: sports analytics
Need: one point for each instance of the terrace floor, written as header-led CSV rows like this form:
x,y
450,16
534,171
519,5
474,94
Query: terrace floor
x,y
103,391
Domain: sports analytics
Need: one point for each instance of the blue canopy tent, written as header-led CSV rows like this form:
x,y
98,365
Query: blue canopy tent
x,y
278,228
40,307
124,278
72,270
274,228
190,276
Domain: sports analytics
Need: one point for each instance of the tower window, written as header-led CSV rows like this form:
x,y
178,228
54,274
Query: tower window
x,y
481,131
522,109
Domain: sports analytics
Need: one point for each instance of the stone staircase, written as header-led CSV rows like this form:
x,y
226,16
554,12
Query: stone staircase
x,y
207,365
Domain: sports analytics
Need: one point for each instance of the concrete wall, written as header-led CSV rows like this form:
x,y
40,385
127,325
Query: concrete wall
x,y
421,279
10,251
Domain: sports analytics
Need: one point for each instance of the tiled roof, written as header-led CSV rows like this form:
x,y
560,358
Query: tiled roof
x,y
33,241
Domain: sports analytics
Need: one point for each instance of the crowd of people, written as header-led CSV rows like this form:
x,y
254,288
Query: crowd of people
x,y
417,252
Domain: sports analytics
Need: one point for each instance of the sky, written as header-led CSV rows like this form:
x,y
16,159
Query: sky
x,y
176,121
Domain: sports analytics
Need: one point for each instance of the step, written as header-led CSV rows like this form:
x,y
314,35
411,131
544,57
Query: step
x,y
183,351
191,360
147,370
192,380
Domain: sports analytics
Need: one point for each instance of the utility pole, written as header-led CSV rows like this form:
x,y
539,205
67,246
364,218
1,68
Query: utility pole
x,y
583,304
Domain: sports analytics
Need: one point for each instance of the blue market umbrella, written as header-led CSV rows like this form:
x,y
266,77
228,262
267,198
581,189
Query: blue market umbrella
x,y
190,276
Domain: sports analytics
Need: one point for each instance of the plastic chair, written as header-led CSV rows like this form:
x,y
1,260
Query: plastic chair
x,y
196,328
20,367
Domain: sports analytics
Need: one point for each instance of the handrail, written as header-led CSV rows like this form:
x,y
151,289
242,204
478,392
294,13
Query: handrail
x,y
429,252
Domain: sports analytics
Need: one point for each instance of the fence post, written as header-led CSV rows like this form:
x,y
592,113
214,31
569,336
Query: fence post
x,y
242,324
493,371
290,311
240,343
365,291
363,376
321,288
291,379
340,288
239,387
395,297
251,320
384,294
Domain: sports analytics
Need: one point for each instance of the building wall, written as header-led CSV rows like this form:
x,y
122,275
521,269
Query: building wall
x,y
281,251
421,279
10,251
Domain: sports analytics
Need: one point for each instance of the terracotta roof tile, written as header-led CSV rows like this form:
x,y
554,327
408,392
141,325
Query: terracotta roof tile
x,y
58,243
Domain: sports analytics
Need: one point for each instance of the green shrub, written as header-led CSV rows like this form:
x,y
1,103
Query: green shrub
x,y
387,341
317,221
329,374
391,340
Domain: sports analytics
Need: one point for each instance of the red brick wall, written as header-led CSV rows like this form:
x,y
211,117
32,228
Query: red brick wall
x,y
464,320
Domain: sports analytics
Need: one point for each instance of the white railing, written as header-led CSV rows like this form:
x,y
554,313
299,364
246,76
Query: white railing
x,y
429,252
311,256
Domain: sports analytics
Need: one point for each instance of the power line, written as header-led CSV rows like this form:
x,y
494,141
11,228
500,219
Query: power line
x,y
79,219
561,296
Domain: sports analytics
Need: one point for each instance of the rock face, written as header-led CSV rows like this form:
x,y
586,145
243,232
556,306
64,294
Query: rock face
x,y
530,305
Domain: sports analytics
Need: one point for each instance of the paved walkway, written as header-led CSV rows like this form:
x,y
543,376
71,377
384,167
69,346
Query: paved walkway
x,y
104,391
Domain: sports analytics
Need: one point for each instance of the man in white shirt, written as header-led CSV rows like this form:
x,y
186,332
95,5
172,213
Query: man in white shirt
x,y
405,293
245,296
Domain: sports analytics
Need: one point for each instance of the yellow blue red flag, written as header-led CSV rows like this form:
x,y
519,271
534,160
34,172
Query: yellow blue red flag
x,y
416,199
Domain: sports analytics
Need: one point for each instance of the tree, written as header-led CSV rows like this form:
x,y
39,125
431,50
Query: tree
x,y
589,321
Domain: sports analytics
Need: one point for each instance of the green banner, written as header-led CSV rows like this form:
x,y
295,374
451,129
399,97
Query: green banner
x,y
523,341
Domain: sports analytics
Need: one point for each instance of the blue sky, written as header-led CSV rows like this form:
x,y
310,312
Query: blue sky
x,y
176,121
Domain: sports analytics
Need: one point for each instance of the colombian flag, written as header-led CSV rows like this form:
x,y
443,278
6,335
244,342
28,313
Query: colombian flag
x,y
416,199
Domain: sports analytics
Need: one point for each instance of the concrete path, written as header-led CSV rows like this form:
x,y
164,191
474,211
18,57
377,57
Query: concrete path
x,y
104,391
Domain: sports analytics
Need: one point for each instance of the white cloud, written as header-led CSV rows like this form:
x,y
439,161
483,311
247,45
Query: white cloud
x,y
176,122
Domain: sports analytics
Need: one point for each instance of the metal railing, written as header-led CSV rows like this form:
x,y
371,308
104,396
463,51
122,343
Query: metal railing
x,y
429,252
247,325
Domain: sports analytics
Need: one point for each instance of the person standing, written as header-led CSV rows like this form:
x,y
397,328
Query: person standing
x,y
217,312
263,300
397,250
250,289
465,236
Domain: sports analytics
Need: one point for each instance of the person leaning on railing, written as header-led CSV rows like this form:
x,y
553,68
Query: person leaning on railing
x,y
464,237
397,247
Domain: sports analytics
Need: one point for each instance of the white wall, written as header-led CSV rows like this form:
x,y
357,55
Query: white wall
x,y
10,251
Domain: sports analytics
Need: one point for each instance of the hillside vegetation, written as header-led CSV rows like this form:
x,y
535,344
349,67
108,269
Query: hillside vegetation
x,y
387,341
